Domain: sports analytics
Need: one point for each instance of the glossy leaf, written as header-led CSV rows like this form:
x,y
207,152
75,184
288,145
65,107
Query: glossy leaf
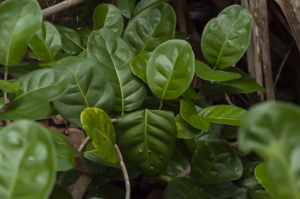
x,y
272,130
144,4
9,86
110,17
224,114
113,55
170,69
260,194
150,28
46,43
28,159
22,68
85,33
213,161
240,193
238,172
100,129
65,153
20,20
126,7
147,138
206,73
89,88
43,83
71,40
262,177
248,179
138,65
188,113
245,84
191,94
183,188
184,129
60,193
221,189
226,38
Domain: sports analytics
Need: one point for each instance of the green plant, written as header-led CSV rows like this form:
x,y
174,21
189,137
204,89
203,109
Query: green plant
x,y
134,78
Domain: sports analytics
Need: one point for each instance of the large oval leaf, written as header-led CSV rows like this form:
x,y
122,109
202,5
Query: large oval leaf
x,y
110,17
271,129
170,69
20,20
126,7
46,43
89,88
150,28
206,73
143,4
181,188
188,113
223,114
226,38
113,55
213,161
147,138
100,129
71,40
27,161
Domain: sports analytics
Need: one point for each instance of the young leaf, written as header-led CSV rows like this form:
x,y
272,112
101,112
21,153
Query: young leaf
x,y
150,28
184,129
144,4
271,129
223,114
71,40
206,73
100,129
113,55
188,113
138,65
65,153
126,7
46,43
213,161
9,86
226,38
89,88
28,159
170,69
245,84
20,20
183,188
110,17
147,138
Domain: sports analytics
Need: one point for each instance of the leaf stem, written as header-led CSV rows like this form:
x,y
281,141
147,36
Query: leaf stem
x,y
87,139
5,79
125,173
161,104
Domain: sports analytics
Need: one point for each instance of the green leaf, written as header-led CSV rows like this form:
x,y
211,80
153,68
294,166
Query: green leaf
x,y
60,193
113,55
126,7
240,193
183,188
20,20
2,103
108,191
44,83
261,175
89,88
65,153
221,189
10,86
238,172
214,160
85,33
206,73
147,138
260,194
138,65
110,17
170,69
245,84
191,94
188,113
46,43
22,68
223,114
100,129
248,179
27,161
226,38
271,129
184,129
71,40
144,4
150,28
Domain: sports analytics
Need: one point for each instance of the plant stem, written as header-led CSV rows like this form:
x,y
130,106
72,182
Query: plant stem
x,y
87,139
60,7
5,79
161,104
185,172
125,173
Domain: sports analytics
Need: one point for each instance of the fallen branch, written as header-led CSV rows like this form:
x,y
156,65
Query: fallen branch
x,y
60,7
